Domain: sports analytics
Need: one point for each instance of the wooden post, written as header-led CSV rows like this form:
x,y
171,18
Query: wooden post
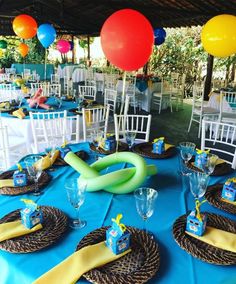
x,y
207,87
73,50
88,43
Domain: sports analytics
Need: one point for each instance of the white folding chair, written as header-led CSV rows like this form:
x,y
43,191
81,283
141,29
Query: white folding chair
x,y
227,107
138,123
110,97
220,138
55,79
74,131
95,119
10,70
47,128
55,90
44,86
88,92
199,110
67,85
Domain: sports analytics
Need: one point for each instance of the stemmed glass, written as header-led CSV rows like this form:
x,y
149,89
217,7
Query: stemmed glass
x,y
34,168
211,162
76,196
130,137
186,152
145,200
198,183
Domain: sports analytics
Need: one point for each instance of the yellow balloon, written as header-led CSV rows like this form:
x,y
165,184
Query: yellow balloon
x,y
218,35
1,53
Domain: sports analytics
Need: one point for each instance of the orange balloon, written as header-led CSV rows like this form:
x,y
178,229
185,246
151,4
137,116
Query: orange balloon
x,y
25,26
23,49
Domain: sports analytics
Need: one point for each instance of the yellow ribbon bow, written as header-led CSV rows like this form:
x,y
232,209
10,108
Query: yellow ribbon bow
x,y
64,144
19,167
199,151
117,221
197,206
157,139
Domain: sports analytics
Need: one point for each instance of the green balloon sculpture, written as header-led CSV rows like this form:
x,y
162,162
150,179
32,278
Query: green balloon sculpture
x,y
118,182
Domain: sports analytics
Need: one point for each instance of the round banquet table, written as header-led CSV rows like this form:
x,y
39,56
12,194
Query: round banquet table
x,y
174,199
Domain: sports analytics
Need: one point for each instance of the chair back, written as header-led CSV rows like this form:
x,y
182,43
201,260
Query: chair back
x,y
10,70
44,86
55,79
47,127
220,138
55,90
110,97
228,105
4,149
73,130
138,123
197,105
95,119
88,92
5,77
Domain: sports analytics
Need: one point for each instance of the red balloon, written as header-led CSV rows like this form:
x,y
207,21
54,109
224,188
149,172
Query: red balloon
x,y
25,26
127,39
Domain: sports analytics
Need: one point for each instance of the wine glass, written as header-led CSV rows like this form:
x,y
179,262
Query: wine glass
x,y
76,196
130,137
198,183
145,200
211,162
34,168
186,152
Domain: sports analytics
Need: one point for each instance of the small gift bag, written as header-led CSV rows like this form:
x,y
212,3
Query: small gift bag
x,y
158,145
31,215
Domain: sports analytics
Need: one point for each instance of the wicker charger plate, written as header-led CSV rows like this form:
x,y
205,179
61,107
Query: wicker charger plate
x,y
55,224
202,250
213,196
81,154
145,150
138,266
44,179
121,148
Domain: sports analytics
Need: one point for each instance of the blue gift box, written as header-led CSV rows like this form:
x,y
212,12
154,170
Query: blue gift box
x,y
229,190
31,215
158,146
194,225
201,159
109,143
19,177
64,150
117,237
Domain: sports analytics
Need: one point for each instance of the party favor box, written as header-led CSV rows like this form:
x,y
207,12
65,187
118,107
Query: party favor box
x,y
196,225
31,215
19,177
117,237
201,158
110,143
65,149
229,189
158,145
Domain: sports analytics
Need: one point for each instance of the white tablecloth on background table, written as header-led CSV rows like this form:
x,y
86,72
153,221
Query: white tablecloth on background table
x,y
214,102
67,70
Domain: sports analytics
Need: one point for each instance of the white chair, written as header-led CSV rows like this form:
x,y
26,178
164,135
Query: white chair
x,y
73,130
5,77
220,138
95,119
55,90
131,92
178,91
10,70
55,79
47,128
110,97
88,92
227,107
199,110
138,123
44,86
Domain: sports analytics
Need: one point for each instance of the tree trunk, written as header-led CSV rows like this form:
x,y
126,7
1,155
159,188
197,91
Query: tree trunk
x,y
207,87
232,77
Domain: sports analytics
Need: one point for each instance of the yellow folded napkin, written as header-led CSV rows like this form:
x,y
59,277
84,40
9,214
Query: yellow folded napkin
x,y
218,238
19,113
220,161
228,201
168,146
15,229
6,183
73,267
47,161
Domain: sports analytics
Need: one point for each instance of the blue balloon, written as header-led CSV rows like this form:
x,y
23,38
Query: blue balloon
x,y
159,32
46,34
159,40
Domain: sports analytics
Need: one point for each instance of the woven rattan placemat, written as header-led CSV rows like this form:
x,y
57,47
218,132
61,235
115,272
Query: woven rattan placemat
x,y
138,266
121,148
55,224
81,154
202,250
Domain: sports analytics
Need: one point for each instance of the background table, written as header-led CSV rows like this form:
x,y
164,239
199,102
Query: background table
x,y
38,67
174,199
214,102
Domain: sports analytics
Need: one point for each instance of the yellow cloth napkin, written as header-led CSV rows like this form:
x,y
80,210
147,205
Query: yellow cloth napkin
x,y
228,201
167,146
15,229
19,113
220,161
218,238
6,183
47,161
73,267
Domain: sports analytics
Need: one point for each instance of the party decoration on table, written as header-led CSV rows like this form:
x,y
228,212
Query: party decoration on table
x,y
146,150
216,246
23,49
19,82
229,190
48,160
218,35
214,196
159,36
7,186
119,182
117,237
25,26
138,266
31,215
54,226
158,145
46,35
201,158
196,222
108,143
19,176
38,100
63,46
19,113
64,149
3,44
123,47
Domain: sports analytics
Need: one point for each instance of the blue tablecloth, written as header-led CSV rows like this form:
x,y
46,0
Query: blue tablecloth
x,y
174,199
38,67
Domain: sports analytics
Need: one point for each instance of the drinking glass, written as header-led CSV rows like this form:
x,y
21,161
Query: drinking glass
x,y
130,138
145,200
34,168
76,196
198,183
211,162
186,152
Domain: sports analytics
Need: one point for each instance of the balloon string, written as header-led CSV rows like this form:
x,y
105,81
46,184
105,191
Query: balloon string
x,y
121,108
45,65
